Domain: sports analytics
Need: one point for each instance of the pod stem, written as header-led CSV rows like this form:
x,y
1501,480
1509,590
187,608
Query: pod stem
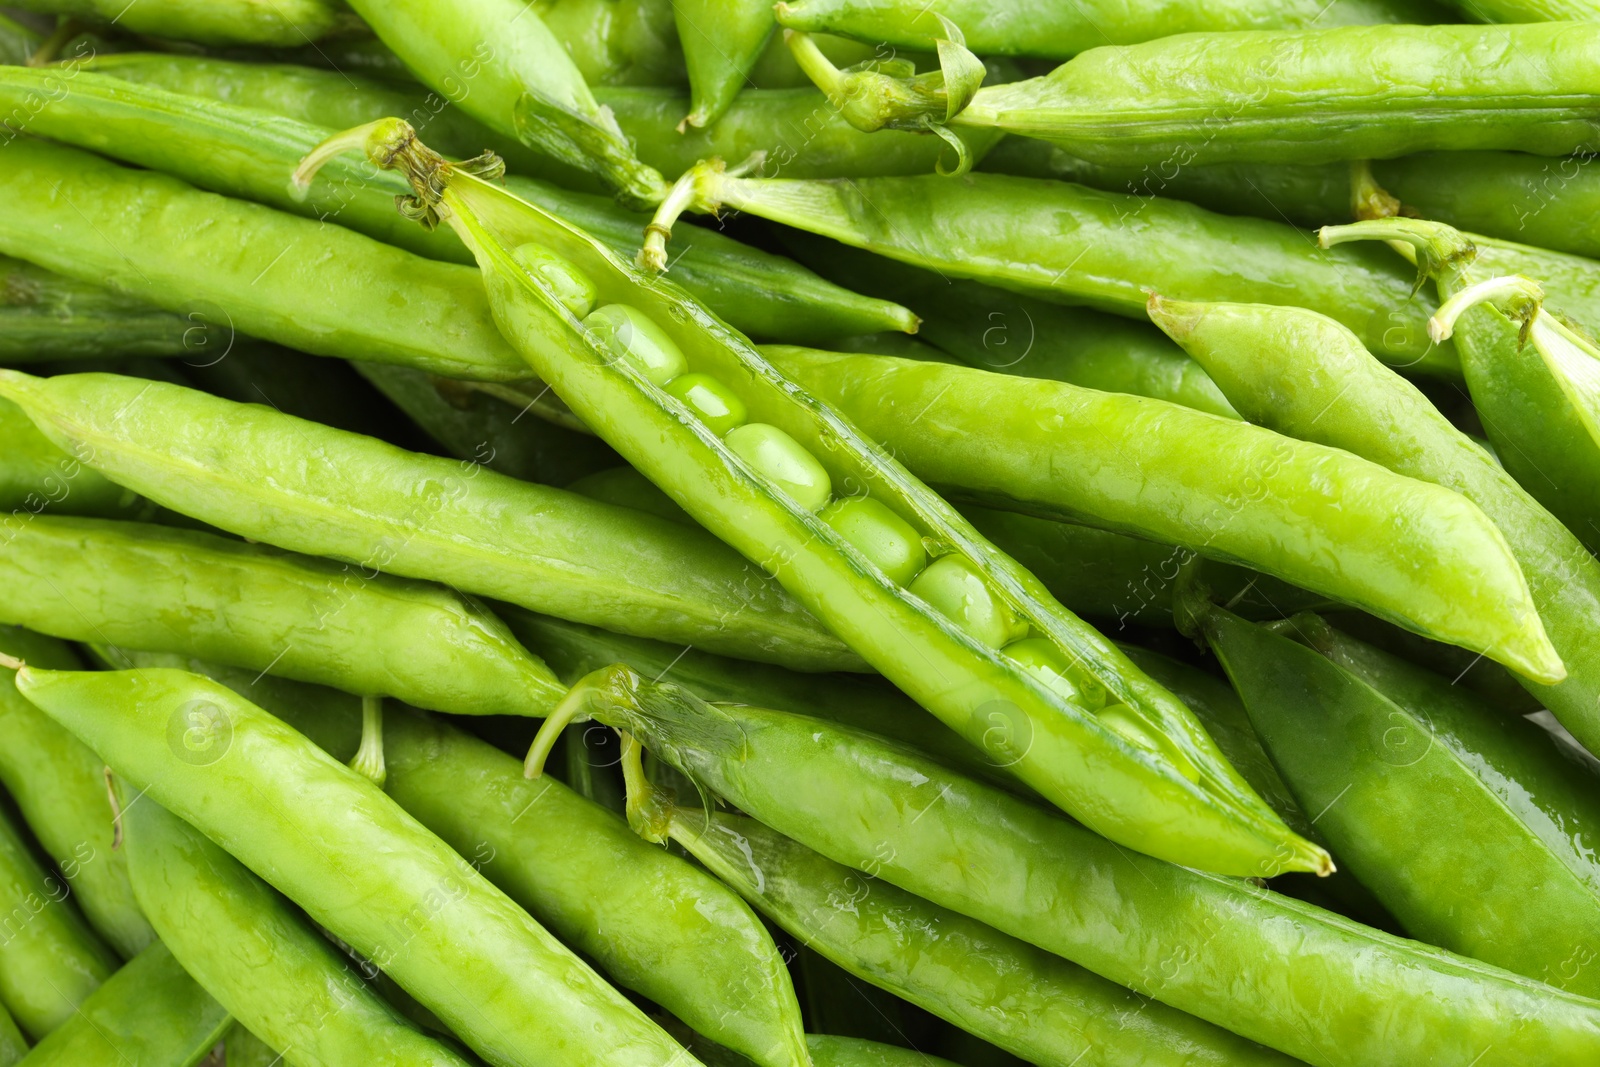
x,y
698,189
1440,250
368,759
1518,297
605,690
888,93
392,144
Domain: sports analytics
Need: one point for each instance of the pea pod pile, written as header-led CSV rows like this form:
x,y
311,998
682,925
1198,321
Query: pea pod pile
x,y
1000,586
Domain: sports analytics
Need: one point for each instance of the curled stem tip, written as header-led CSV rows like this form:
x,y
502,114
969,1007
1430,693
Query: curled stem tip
x,y
371,140
649,811
1519,297
607,688
695,190
368,759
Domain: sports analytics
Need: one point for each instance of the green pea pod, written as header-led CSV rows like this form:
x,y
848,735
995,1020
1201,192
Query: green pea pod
x,y
1416,554
1059,31
46,316
50,961
238,266
244,1049
1312,96
331,841
574,651
256,954
802,134
993,329
150,1013
1169,792
1535,432
1123,579
721,44
1544,203
156,588
36,476
239,151
631,42
60,788
250,470
472,425
662,926
501,64
831,1051
1308,376
1469,825
1293,977
228,22
1073,245
13,1046
1054,1012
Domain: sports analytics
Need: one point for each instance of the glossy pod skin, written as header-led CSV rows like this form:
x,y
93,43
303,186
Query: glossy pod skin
x,y
1034,1005
13,1046
1536,432
803,135
259,957
1410,552
1355,92
332,842
153,237
994,329
1079,246
213,22
1548,203
1308,376
662,926
1259,964
721,44
46,316
1470,825
472,425
168,590
149,1013
59,787
659,925
36,476
1056,31
234,149
314,489
1136,793
502,65
50,961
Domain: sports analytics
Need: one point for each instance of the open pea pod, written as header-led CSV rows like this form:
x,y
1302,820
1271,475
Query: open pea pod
x,y
888,565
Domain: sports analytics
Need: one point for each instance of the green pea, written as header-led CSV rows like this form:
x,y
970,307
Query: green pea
x,y
1041,658
955,587
781,459
882,536
630,332
569,284
716,404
